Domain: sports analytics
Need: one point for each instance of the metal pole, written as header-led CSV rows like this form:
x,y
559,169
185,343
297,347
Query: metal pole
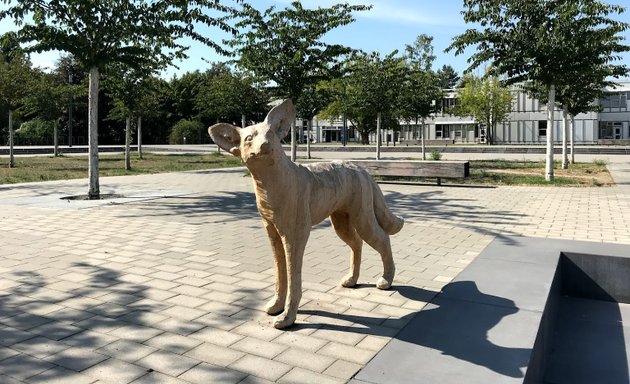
x,y
70,114
378,136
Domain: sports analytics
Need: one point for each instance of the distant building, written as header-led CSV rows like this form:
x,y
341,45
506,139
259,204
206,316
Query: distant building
x,y
526,124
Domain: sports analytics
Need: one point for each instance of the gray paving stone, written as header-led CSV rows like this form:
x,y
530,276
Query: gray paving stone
x,y
115,371
126,350
168,363
40,347
10,336
23,366
76,359
303,376
5,353
173,342
261,367
208,373
215,354
60,375
158,378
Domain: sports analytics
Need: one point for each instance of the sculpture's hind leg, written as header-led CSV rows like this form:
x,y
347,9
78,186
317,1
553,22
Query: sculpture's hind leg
x,y
347,233
367,227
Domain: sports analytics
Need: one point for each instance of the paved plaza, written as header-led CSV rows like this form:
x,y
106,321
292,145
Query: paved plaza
x,y
167,283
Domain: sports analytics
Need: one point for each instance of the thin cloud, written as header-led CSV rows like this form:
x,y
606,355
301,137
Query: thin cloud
x,y
389,11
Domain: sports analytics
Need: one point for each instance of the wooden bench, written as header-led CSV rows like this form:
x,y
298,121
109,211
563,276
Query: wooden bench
x,y
416,168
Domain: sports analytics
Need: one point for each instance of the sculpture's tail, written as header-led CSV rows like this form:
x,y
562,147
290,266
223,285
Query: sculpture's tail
x,y
390,223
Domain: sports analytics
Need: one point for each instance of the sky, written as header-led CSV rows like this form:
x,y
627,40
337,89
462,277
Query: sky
x,y
388,26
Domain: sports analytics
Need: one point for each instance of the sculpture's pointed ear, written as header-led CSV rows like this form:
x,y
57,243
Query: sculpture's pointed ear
x,y
281,117
227,137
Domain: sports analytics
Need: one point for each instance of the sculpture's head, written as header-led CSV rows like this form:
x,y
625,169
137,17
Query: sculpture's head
x,y
259,143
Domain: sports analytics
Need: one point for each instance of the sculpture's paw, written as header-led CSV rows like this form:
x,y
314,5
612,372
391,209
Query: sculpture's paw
x,y
283,321
383,283
349,281
274,306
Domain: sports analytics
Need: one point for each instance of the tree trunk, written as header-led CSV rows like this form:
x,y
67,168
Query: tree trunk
x,y
243,121
309,125
56,138
424,150
571,137
128,143
11,158
565,126
378,136
70,122
94,189
549,157
139,137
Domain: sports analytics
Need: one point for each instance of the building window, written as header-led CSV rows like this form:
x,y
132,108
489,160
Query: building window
x,y
448,104
442,131
610,129
615,100
542,127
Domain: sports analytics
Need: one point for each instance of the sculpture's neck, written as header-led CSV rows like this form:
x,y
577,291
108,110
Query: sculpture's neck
x,y
278,171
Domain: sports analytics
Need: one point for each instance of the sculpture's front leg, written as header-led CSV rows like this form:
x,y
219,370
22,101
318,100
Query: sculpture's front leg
x,y
276,304
294,246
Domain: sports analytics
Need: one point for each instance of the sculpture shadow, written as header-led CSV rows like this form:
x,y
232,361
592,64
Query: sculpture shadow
x,y
454,327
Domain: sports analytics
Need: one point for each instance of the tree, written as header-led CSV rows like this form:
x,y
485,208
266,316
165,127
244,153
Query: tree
x,y
485,99
536,41
126,87
313,100
448,77
422,86
227,96
373,87
48,98
285,49
99,33
15,80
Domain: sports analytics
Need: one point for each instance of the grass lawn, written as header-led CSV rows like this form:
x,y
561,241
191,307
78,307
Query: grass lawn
x,y
43,168
487,172
502,172
510,172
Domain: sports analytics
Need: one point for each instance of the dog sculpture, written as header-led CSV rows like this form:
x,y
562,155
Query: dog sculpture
x,y
291,198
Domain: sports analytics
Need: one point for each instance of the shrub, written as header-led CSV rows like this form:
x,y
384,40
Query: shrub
x,y
435,155
185,129
35,132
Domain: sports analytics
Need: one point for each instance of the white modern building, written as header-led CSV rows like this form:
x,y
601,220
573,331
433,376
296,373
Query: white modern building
x,y
526,124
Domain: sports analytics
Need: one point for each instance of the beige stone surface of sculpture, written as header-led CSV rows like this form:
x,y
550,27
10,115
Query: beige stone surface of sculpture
x,y
291,198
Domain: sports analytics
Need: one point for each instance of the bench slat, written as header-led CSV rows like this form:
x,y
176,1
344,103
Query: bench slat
x,y
415,168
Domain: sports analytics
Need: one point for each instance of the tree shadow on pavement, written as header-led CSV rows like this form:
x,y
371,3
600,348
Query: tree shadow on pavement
x,y
457,212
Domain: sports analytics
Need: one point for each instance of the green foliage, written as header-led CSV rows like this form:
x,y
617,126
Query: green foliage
x,y
435,155
133,32
314,99
549,42
448,77
284,48
225,96
372,84
421,52
485,99
35,132
185,131
15,80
